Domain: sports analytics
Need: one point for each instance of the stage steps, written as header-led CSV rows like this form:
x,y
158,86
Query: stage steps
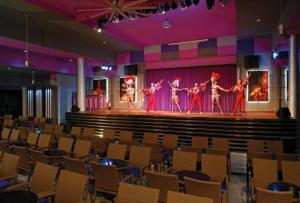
x,y
237,130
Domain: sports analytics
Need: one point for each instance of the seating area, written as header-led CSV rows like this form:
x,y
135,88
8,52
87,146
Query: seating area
x,y
115,166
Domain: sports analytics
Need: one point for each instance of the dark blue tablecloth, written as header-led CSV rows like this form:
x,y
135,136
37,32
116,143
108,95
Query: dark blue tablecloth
x,y
285,187
118,163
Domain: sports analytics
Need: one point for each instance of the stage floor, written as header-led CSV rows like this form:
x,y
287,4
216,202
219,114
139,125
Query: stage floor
x,y
141,112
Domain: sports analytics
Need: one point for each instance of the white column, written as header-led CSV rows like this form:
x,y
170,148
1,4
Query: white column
x,y
24,101
293,76
80,84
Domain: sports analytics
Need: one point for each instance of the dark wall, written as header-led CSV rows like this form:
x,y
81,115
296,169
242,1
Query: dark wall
x,y
10,102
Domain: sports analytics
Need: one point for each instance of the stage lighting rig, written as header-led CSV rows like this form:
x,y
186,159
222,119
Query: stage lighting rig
x,y
196,2
173,5
210,4
224,3
188,3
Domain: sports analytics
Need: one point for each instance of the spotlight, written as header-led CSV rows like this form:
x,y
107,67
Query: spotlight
x,y
166,7
224,3
196,2
173,5
116,20
188,3
275,54
162,10
99,30
210,4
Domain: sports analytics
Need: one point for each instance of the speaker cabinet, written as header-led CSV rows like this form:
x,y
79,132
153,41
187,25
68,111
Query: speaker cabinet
x,y
283,113
251,61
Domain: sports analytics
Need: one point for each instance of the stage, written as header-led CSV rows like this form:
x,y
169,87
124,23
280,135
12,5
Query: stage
x,y
238,129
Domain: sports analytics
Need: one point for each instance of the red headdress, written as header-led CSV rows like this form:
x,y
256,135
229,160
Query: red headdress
x,y
216,76
129,79
177,78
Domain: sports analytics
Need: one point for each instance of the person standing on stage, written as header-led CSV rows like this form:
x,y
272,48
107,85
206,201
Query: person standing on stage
x,y
195,91
215,96
239,88
151,93
130,91
174,88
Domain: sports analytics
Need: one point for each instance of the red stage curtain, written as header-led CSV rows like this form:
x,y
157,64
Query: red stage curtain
x,y
189,76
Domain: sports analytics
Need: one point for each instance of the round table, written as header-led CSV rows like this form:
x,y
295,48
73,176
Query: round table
x,y
20,143
116,162
54,153
285,187
192,174
18,196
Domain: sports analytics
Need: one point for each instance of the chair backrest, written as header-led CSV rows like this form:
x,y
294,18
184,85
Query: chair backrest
x,y
116,151
14,135
38,156
220,143
24,162
284,157
137,194
126,135
197,150
48,129
76,131
44,140
65,144
184,161
32,138
82,148
9,165
185,198
255,145
5,133
268,196
258,155
217,151
199,142
99,145
155,152
291,171
79,185
106,177
201,188
170,141
215,166
23,133
89,132
264,172
9,123
75,165
109,134
151,138
162,182
275,146
43,178
58,129
139,156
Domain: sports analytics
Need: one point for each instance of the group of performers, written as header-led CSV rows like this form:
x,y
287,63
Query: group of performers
x,y
195,92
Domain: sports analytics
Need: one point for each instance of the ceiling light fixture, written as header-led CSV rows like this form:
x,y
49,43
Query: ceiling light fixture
x,y
182,5
166,24
191,41
224,3
258,20
99,30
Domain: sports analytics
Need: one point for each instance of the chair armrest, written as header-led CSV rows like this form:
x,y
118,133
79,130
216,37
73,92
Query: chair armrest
x,y
17,186
8,177
45,194
126,178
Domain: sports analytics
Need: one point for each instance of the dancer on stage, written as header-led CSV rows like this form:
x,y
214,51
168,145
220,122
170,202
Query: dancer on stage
x,y
174,88
151,93
240,100
195,91
215,96
130,91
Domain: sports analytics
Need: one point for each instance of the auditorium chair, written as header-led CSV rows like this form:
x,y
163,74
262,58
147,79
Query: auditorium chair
x,y
200,142
38,156
25,163
220,143
5,134
116,151
43,141
177,197
75,131
274,146
291,171
184,161
82,149
32,138
48,129
151,138
255,145
126,135
8,170
284,157
88,132
65,144
14,136
137,194
162,182
170,142
99,145
268,196
75,165
109,134
215,166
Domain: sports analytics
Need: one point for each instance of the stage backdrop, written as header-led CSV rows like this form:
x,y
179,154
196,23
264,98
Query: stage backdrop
x,y
189,76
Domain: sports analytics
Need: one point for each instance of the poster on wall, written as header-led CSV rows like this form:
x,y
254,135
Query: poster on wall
x,y
258,86
100,86
127,87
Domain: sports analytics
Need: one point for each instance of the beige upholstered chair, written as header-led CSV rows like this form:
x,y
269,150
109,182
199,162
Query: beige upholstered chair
x,y
126,135
14,135
162,182
88,132
99,145
291,171
82,148
284,157
264,172
5,133
38,156
75,131
170,142
24,163
75,165
220,143
197,150
44,141
184,161
176,197
32,138
58,130
9,167
116,151
274,146
139,157
78,189
8,123
65,144
156,153
109,134
255,145
48,129
215,166
136,194
206,189
151,138
267,196
199,142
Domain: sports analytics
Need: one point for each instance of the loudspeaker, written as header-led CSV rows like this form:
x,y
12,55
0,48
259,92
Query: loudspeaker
x,y
283,113
130,69
251,61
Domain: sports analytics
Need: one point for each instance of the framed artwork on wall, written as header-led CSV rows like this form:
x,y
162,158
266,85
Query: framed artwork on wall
x,y
100,87
258,88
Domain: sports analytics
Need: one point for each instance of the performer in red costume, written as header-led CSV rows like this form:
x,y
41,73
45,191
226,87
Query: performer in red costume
x,y
195,91
151,93
240,100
